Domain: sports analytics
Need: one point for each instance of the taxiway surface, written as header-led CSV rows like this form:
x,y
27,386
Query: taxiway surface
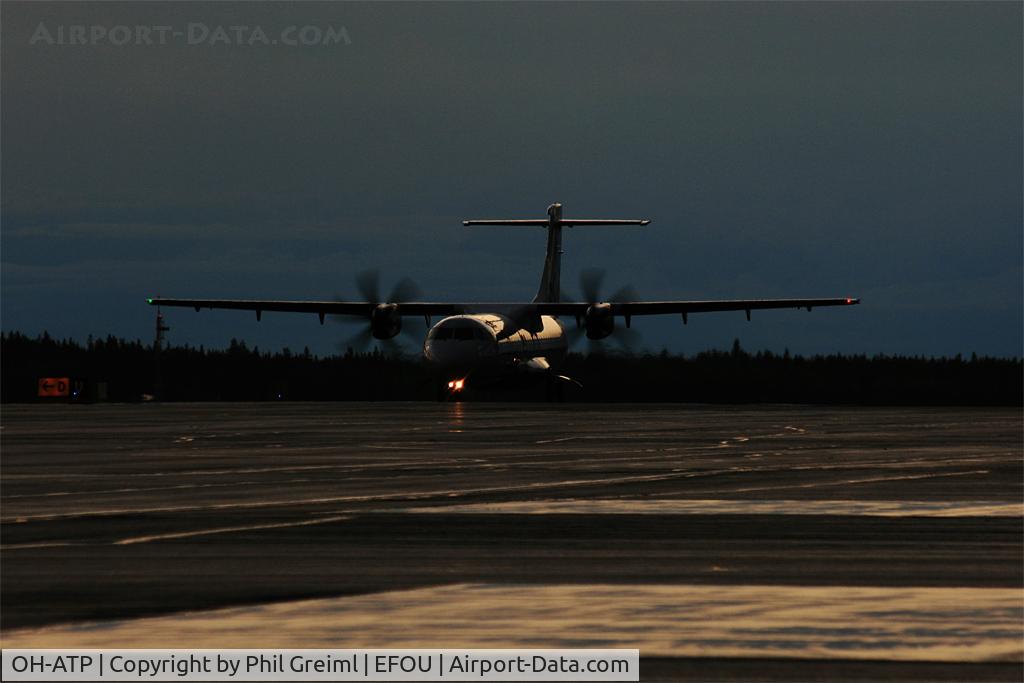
x,y
797,542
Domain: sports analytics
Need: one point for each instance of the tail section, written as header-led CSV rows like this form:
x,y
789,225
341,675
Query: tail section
x,y
550,279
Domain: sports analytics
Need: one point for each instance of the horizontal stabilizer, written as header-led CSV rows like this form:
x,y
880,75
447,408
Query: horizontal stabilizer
x,y
565,222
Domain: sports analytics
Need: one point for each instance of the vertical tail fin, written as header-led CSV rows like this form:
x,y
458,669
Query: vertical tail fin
x,y
551,277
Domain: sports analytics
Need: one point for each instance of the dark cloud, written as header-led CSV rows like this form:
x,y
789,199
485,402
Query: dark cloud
x,y
782,149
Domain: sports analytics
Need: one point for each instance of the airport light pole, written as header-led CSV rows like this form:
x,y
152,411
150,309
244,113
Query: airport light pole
x,y
158,387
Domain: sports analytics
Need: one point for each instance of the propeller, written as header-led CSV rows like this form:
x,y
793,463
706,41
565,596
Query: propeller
x,y
591,283
368,285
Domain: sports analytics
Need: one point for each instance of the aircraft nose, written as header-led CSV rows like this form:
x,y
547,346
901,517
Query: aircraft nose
x,y
457,342
450,353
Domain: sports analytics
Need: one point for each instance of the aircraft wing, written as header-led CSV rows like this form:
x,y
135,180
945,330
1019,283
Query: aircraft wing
x,y
357,308
685,307
425,308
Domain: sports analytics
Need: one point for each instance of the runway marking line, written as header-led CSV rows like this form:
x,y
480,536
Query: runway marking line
x,y
228,530
696,506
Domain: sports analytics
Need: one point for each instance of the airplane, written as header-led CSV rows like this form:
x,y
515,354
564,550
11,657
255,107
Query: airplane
x,y
480,341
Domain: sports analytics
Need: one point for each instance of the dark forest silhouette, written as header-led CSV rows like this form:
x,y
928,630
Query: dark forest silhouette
x,y
121,370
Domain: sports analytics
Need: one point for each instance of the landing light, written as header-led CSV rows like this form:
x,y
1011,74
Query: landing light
x,y
456,384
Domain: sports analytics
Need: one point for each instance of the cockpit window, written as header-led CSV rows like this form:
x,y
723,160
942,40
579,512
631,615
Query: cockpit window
x,y
461,332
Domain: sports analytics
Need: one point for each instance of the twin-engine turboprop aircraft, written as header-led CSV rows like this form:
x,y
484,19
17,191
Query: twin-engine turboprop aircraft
x,y
478,340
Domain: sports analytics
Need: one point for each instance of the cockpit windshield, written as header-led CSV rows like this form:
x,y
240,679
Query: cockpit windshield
x,y
462,333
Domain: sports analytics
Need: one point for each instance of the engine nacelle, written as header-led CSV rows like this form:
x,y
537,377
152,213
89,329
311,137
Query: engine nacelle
x,y
599,321
385,322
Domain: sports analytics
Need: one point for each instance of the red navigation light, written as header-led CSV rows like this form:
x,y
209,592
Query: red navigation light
x,y
849,300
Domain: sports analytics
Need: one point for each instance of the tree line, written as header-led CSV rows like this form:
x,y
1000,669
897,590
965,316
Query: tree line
x,y
121,370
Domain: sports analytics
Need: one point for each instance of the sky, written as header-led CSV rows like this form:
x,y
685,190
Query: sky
x,y
780,150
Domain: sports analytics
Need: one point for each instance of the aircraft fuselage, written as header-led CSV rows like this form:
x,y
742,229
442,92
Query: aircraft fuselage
x,y
461,343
